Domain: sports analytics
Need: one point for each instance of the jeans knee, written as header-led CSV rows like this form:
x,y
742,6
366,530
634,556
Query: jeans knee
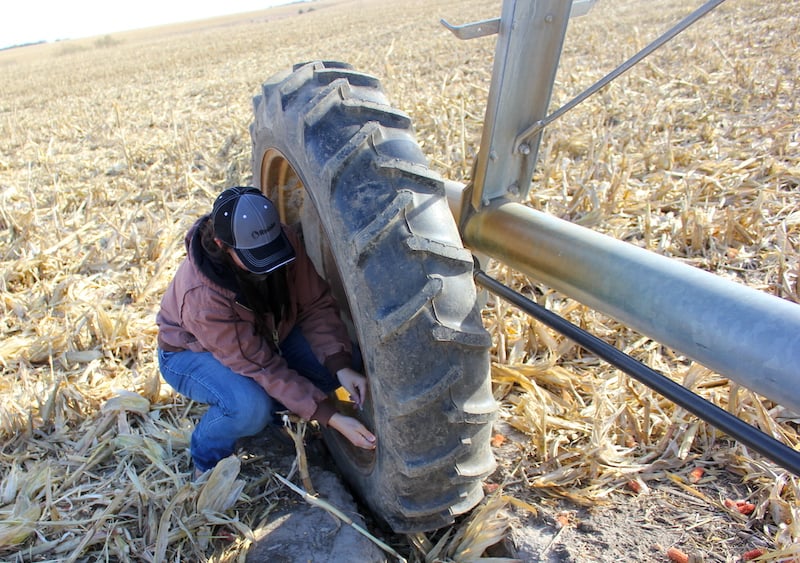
x,y
246,424
249,414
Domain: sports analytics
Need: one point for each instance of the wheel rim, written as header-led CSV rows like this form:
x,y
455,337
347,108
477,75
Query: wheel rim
x,y
282,185
285,188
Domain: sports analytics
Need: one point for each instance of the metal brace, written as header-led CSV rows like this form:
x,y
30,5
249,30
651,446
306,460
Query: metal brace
x,y
473,30
484,28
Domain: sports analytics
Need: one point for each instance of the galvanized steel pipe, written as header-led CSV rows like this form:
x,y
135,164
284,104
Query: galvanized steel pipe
x,y
736,428
742,333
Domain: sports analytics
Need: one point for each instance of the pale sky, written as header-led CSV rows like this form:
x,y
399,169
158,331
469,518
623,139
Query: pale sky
x,y
27,21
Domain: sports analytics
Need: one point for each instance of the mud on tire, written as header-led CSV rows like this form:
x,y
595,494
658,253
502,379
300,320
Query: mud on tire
x,y
334,155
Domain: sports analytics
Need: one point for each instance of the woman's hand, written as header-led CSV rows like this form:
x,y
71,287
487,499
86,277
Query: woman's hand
x,y
355,383
353,430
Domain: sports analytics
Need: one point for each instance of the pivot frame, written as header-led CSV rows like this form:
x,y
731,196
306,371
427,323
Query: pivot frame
x,y
749,336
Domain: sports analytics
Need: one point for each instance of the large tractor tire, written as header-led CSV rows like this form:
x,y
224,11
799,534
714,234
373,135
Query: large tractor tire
x,y
336,157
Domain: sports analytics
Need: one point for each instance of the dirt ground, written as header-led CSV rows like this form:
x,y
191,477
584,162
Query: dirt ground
x,y
630,526
297,531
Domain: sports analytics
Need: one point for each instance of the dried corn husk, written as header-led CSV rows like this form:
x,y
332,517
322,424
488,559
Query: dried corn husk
x,y
19,522
222,488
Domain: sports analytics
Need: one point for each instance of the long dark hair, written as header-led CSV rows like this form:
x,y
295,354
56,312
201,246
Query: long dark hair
x,y
266,294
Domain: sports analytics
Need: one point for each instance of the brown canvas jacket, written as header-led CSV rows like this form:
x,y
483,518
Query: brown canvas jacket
x,y
200,315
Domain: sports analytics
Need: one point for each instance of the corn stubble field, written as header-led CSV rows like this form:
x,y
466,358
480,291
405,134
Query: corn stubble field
x,y
110,148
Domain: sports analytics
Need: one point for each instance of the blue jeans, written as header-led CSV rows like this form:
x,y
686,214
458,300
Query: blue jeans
x,y
237,405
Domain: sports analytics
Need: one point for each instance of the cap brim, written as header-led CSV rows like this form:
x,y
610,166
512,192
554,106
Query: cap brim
x,y
265,259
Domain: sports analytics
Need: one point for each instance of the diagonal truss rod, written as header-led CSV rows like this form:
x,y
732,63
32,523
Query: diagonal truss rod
x,y
530,36
681,26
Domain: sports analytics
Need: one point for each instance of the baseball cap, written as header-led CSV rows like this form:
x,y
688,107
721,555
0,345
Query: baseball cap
x,y
246,220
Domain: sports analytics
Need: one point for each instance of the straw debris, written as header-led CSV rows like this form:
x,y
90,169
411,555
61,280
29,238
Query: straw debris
x,y
108,155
